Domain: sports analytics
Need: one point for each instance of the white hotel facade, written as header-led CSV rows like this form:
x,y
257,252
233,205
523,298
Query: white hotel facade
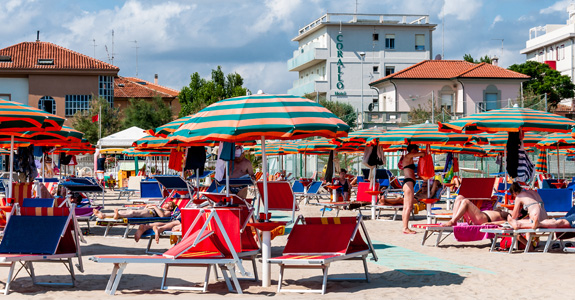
x,y
339,54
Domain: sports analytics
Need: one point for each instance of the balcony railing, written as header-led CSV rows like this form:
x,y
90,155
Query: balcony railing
x,y
307,54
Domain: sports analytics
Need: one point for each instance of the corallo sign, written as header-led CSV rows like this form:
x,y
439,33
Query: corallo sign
x,y
339,47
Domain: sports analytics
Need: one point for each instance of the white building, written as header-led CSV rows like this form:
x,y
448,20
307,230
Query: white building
x,y
331,49
554,45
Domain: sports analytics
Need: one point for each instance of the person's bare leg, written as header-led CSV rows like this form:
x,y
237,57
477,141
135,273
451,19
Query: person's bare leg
x,y
116,214
467,209
156,234
519,224
408,199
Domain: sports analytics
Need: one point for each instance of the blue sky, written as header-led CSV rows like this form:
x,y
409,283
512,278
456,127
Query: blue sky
x,y
253,38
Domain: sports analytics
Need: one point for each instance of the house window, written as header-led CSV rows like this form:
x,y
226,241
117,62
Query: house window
x,y
375,69
75,103
6,97
106,88
47,104
562,52
390,41
420,42
389,70
375,36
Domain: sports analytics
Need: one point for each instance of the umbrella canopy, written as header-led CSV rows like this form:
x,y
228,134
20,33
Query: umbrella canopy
x,y
316,145
500,138
557,141
283,117
426,133
511,119
541,165
278,148
164,130
17,118
134,152
367,136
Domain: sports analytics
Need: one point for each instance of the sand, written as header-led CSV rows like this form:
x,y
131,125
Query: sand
x,y
405,270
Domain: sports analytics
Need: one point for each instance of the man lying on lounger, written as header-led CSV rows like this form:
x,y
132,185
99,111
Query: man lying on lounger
x,y
150,211
158,228
463,207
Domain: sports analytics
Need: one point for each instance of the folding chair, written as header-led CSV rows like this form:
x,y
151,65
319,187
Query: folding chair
x,y
280,197
317,242
40,235
212,237
38,202
150,192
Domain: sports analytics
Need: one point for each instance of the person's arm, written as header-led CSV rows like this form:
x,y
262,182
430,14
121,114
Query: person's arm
x,y
162,212
517,208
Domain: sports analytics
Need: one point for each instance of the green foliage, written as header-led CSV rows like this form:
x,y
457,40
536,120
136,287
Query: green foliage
x,y
110,118
342,110
423,113
545,80
200,93
348,162
147,114
255,160
469,58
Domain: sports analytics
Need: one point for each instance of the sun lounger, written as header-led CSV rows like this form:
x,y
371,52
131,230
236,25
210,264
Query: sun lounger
x,y
318,242
40,235
212,238
461,233
280,197
150,192
557,202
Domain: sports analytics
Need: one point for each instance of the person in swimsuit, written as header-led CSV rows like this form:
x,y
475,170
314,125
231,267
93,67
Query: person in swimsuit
x,y
530,201
345,185
563,222
409,184
464,208
149,211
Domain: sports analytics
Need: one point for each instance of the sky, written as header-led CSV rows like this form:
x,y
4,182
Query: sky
x,y
175,39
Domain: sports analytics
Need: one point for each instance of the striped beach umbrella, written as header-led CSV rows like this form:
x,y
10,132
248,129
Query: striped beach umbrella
x,y
134,152
541,165
500,138
164,130
277,148
367,136
425,133
261,116
511,119
557,141
16,118
317,145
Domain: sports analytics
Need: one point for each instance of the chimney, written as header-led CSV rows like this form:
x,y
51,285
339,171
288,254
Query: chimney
x,y
495,60
37,35
156,79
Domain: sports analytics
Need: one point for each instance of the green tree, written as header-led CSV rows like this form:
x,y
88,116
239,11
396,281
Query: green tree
x,y
545,80
469,58
342,110
147,114
200,92
423,113
110,118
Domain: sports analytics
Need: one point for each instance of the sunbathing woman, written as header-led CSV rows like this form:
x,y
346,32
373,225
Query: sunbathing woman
x,y
409,184
149,211
530,201
464,208
563,222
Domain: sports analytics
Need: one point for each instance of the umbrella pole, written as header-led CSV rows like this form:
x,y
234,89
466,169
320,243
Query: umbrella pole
x,y
266,235
558,169
228,179
11,167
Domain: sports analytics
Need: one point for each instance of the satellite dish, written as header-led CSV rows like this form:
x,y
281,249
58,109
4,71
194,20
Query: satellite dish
x,y
438,57
370,107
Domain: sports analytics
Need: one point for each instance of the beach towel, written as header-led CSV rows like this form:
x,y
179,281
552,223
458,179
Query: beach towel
x,y
469,233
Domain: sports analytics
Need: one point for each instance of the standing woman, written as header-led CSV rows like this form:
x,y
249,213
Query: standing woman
x,y
409,185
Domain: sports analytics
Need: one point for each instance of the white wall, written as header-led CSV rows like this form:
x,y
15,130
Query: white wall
x,y
17,88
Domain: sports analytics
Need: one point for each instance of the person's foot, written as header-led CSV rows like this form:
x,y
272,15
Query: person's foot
x,y
139,232
98,214
116,214
535,223
513,223
156,234
448,224
409,231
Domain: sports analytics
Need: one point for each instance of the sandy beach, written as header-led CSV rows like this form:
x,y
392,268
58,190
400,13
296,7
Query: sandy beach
x,y
405,270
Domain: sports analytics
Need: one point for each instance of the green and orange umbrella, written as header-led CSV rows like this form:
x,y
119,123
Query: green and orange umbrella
x,y
511,119
277,148
134,152
500,138
425,133
166,129
16,118
541,164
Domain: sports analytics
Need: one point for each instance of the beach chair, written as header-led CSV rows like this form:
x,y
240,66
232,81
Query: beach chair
x,y
21,191
40,235
213,238
150,192
318,242
557,202
38,202
132,188
280,197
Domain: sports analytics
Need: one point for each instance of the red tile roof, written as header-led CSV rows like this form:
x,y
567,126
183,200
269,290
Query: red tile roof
x,y
448,69
25,55
131,87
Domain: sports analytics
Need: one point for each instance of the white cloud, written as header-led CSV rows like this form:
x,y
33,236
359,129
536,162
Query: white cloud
x,y
271,77
462,10
497,19
558,6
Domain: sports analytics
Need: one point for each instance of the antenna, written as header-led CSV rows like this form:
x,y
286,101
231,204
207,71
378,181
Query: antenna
x,y
443,30
94,41
355,7
501,46
107,53
136,42
112,61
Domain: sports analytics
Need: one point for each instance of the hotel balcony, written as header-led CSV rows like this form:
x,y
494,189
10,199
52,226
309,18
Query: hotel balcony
x,y
309,84
307,56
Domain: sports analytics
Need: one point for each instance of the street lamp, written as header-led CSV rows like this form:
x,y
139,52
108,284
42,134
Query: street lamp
x,y
362,55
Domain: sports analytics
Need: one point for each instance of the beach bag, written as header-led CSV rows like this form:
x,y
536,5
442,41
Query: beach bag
x,y
425,168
